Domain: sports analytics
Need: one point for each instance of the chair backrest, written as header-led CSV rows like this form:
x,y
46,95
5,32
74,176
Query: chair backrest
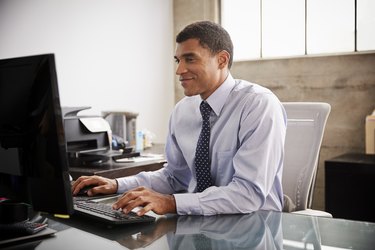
x,y
304,134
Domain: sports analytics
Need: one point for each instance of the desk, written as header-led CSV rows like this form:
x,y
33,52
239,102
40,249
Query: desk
x,y
259,230
349,186
112,169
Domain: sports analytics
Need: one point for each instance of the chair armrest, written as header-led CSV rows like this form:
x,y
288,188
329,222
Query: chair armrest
x,y
312,212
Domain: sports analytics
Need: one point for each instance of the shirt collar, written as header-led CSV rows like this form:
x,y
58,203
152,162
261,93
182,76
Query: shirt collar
x,y
219,97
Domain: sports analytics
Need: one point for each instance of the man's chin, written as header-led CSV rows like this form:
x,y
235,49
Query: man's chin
x,y
187,93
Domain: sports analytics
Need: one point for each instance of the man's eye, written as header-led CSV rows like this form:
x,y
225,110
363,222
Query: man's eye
x,y
176,61
189,59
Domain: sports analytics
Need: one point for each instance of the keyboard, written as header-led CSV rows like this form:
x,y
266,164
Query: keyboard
x,y
104,212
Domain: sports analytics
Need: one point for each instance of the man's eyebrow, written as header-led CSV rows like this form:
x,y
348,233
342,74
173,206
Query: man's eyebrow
x,y
190,54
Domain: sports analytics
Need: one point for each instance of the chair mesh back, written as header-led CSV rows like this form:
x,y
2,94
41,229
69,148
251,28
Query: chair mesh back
x,y
306,123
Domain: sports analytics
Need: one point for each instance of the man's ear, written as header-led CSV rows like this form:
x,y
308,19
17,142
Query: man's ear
x,y
223,59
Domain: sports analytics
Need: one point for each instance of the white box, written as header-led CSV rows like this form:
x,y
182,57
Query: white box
x,y
370,133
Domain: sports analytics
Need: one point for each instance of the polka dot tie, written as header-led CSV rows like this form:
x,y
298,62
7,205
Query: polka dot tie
x,y
202,242
202,161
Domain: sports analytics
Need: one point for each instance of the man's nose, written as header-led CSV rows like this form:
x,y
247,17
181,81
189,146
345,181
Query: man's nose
x,y
180,68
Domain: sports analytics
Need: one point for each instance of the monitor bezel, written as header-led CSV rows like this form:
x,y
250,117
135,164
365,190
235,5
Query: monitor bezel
x,y
46,193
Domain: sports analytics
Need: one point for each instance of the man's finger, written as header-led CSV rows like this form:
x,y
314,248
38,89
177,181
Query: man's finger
x,y
83,183
144,210
131,205
125,199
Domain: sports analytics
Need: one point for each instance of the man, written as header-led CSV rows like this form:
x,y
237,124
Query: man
x,y
243,131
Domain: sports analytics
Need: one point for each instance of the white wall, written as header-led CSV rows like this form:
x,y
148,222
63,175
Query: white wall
x,y
110,54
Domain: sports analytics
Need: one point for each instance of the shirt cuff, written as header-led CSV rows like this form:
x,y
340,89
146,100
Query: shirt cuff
x,y
187,204
126,183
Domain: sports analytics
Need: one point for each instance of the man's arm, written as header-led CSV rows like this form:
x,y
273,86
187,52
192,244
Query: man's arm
x,y
153,190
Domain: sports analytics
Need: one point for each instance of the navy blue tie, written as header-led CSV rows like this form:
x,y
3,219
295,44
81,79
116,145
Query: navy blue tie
x,y
202,160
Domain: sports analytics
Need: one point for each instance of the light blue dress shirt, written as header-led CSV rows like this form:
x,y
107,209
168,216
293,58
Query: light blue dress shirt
x,y
248,125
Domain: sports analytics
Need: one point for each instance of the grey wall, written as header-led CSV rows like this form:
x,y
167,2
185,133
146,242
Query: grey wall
x,y
347,82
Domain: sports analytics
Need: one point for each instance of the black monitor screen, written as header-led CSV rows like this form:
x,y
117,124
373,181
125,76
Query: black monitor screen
x,y
33,162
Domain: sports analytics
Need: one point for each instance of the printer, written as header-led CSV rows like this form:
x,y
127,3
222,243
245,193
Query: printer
x,y
88,138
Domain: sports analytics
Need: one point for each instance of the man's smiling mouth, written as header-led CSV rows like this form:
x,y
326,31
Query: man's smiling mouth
x,y
182,79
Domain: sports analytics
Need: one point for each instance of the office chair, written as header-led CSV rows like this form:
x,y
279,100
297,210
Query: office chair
x,y
304,134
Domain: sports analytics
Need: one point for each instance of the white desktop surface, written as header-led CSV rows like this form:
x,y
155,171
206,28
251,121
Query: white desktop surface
x,y
73,238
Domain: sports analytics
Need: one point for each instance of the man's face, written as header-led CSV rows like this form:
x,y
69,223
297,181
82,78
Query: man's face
x,y
197,68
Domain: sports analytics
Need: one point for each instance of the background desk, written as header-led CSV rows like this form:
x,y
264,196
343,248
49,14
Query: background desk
x,y
350,187
112,169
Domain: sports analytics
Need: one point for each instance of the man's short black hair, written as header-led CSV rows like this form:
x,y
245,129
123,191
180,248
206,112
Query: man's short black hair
x,y
210,35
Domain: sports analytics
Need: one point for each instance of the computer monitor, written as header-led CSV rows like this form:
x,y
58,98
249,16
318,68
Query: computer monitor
x,y
33,161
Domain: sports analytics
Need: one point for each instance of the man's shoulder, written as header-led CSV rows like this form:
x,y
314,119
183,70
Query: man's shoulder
x,y
252,95
253,92
250,87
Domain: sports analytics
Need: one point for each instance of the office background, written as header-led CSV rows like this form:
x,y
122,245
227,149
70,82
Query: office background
x,y
110,54
118,55
346,81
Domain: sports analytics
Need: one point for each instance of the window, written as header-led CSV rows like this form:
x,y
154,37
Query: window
x,y
243,24
274,28
330,26
283,28
365,25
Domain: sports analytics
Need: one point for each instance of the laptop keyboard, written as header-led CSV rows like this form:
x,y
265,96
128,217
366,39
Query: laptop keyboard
x,y
105,213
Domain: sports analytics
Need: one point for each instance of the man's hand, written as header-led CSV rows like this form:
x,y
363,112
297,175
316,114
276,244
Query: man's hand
x,y
148,199
101,185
